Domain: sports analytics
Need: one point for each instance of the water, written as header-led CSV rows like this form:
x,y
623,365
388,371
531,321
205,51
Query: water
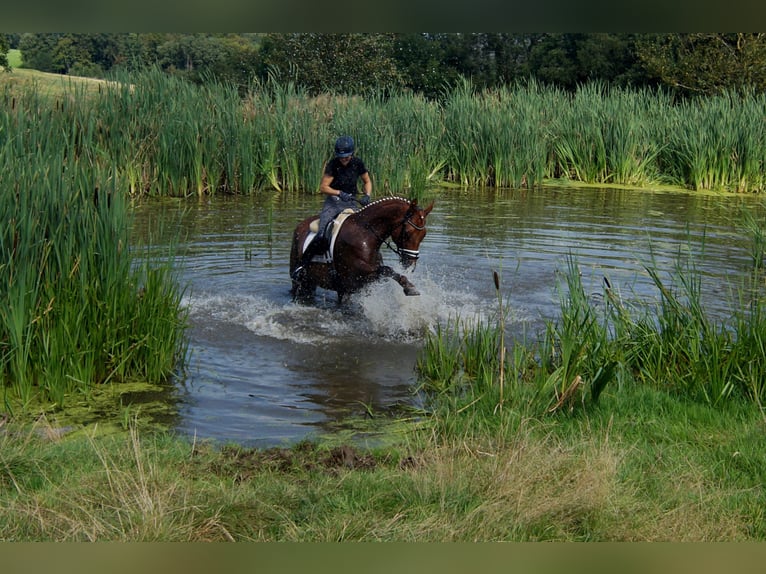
x,y
265,371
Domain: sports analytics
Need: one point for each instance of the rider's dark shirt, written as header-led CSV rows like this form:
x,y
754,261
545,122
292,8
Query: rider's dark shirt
x,y
344,178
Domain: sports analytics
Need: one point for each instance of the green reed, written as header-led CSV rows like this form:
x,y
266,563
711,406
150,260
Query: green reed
x,y
607,135
75,310
718,143
576,356
169,137
459,364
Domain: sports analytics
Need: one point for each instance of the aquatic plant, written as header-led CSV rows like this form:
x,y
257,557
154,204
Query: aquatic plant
x,y
79,306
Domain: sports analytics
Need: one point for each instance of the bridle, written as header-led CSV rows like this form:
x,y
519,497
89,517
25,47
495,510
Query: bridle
x,y
410,254
401,251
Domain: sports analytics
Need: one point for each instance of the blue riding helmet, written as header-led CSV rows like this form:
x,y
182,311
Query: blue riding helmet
x,y
344,146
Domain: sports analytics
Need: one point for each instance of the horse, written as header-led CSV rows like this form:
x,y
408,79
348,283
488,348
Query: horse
x,y
354,260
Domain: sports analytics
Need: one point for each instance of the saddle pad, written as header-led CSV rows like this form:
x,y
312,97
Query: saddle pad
x,y
314,229
314,225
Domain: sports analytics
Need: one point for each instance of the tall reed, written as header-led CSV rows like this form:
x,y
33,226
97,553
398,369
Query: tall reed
x,y
718,142
75,309
169,137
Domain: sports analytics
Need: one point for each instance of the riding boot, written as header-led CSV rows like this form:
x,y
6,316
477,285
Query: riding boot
x,y
318,246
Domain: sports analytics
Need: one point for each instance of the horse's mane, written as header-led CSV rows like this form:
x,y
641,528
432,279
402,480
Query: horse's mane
x,y
384,200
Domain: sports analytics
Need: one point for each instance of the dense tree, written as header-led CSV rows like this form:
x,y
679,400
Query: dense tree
x,y
425,62
230,57
4,47
37,51
569,60
13,40
338,63
491,59
77,54
225,57
706,62
422,62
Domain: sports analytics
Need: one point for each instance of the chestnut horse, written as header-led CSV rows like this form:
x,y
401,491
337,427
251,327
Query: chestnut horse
x,y
355,258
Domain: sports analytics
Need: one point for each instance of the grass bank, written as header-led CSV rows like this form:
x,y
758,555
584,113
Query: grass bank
x,y
23,81
642,467
80,304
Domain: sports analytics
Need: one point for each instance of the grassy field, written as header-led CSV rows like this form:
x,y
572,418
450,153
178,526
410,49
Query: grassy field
x,y
22,80
14,58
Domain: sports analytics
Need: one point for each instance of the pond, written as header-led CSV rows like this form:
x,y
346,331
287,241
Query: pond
x,y
266,371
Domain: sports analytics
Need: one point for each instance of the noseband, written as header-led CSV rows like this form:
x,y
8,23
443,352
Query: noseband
x,y
401,251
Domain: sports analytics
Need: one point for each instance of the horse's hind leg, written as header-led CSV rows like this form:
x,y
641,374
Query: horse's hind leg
x,y
409,288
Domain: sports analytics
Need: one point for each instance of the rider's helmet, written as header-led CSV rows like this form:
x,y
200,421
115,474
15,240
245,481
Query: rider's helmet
x,y
344,146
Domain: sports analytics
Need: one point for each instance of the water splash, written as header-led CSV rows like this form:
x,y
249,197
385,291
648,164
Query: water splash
x,y
393,315
381,312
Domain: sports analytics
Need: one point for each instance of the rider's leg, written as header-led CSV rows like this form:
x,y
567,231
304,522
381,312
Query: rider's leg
x,y
320,244
317,247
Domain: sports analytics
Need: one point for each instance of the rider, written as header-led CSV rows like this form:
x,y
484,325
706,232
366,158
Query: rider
x,y
339,184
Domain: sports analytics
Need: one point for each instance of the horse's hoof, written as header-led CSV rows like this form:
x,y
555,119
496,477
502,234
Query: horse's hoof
x,y
411,292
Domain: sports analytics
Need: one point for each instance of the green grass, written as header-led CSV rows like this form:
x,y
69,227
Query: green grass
x,y
14,58
79,305
21,82
643,466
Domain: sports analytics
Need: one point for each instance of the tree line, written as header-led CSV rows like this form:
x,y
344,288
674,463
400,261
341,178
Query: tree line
x,y
426,63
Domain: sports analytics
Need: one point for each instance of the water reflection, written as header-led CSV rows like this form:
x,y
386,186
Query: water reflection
x,y
264,370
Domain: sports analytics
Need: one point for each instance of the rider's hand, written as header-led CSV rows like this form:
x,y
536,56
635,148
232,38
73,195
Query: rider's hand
x,y
365,199
345,196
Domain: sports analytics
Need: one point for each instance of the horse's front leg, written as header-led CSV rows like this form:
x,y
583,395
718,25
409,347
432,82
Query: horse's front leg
x,y
409,288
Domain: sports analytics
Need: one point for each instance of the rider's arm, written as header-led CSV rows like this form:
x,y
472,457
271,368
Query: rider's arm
x,y
367,183
324,186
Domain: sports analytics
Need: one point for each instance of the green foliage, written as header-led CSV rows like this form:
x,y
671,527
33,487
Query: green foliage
x,y
426,63
169,136
707,63
4,47
332,63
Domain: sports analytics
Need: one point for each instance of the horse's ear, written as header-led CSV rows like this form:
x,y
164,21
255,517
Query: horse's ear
x,y
428,209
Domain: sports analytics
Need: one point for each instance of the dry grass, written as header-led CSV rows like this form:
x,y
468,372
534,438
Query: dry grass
x,y
21,80
529,484
130,494
526,488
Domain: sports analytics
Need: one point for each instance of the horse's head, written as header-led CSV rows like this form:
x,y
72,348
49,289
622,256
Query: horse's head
x,y
411,232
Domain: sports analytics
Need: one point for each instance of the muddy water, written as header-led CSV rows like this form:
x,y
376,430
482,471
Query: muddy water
x,y
266,371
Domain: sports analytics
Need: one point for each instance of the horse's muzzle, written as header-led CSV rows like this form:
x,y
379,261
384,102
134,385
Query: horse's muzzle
x,y
408,257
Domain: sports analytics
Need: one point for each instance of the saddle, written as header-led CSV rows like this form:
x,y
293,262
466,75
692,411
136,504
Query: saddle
x,y
335,226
